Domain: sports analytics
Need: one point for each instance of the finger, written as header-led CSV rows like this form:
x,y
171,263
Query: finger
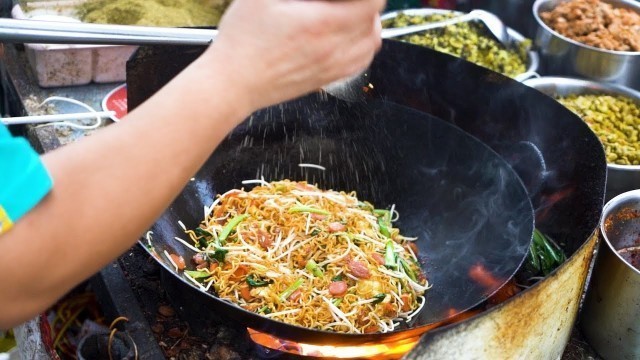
x,y
377,32
357,55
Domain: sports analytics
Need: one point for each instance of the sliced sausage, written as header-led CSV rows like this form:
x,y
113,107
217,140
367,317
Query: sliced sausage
x,y
295,295
336,227
358,269
264,238
318,216
338,288
378,258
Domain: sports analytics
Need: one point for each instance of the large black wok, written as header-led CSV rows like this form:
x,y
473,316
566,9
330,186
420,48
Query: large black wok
x,y
464,202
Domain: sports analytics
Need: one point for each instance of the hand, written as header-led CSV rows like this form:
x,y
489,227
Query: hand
x,y
279,49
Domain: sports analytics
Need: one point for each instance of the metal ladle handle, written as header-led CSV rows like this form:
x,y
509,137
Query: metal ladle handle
x,y
395,32
53,32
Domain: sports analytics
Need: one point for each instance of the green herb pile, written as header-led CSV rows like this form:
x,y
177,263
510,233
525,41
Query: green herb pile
x,y
615,120
544,255
467,40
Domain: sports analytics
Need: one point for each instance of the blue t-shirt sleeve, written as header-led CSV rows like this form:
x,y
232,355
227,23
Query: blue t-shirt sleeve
x,y
24,180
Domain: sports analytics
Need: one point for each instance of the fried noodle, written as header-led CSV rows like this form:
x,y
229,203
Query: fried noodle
x,y
315,258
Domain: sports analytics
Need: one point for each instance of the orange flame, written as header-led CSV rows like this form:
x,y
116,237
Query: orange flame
x,y
378,351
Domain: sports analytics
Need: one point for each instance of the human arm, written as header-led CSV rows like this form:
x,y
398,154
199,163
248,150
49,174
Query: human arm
x,y
109,188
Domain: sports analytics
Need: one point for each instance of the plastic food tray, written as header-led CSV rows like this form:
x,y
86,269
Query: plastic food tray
x,y
67,65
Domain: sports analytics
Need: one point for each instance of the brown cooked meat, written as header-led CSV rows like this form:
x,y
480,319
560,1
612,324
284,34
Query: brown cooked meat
x,y
596,23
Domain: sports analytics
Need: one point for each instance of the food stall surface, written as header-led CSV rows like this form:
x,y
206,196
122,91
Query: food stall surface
x,y
131,286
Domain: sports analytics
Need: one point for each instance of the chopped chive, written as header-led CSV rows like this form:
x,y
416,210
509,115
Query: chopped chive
x,y
365,206
390,256
288,291
408,270
308,209
198,274
313,268
382,212
226,231
384,221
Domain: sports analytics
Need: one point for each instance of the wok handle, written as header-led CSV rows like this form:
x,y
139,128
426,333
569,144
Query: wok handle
x,y
53,32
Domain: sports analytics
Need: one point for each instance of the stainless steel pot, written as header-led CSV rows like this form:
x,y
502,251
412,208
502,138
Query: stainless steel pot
x,y
563,56
620,178
610,318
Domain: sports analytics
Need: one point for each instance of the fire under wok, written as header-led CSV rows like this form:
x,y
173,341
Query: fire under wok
x,y
468,206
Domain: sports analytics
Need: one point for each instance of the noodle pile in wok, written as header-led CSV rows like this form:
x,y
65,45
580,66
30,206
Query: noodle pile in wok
x,y
309,257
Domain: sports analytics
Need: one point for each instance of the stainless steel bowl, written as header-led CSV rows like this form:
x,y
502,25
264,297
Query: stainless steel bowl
x,y
610,317
620,178
565,57
533,61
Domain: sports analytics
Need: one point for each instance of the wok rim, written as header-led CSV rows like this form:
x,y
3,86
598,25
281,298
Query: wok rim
x,y
338,338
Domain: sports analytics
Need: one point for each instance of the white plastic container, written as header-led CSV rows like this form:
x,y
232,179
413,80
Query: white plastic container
x,y
67,65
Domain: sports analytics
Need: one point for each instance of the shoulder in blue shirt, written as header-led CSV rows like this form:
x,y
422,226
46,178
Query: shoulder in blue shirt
x,y
24,180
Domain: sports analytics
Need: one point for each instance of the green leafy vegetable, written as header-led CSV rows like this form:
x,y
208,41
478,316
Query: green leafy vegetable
x,y
265,310
203,237
255,281
218,255
337,278
379,298
544,255
200,232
